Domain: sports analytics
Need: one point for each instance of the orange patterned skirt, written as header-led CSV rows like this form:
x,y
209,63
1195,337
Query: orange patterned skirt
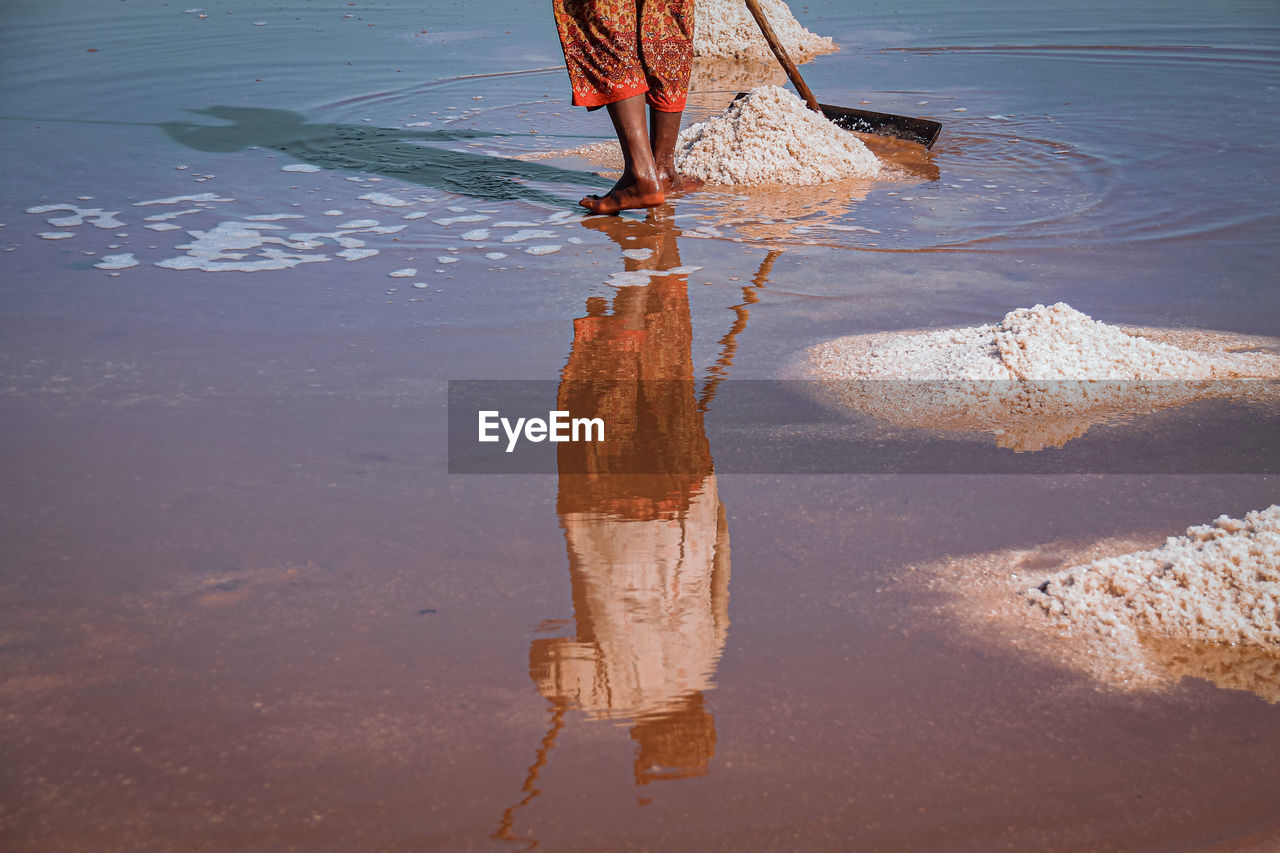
x,y
615,49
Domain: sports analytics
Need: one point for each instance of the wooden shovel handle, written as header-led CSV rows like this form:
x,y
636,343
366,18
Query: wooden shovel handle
x,y
781,52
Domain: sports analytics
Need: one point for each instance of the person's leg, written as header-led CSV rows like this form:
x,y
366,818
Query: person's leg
x,y
601,42
640,185
664,129
666,52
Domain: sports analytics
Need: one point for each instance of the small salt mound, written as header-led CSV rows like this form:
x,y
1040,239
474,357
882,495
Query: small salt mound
x,y
1059,342
771,137
1037,343
1039,378
724,28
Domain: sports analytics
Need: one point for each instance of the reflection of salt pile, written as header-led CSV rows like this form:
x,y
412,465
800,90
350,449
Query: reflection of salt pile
x,y
1220,583
1035,379
724,28
771,137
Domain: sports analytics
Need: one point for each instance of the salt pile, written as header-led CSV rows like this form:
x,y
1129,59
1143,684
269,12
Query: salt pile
x,y
1204,605
1220,583
771,137
724,28
1054,342
1040,377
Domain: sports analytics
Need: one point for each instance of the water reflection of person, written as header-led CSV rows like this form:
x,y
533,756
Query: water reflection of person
x,y
647,540
647,537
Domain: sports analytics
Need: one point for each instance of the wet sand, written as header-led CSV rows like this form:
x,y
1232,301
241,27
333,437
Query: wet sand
x,y
245,606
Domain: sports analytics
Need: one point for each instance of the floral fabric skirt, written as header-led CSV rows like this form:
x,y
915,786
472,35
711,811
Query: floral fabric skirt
x,y
615,49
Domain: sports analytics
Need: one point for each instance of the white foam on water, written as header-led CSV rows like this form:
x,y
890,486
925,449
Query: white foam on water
x,y
407,272
832,227
542,250
417,214
385,200
511,224
632,278
79,215
475,234
446,259
637,254
162,217
456,209
273,217
117,262
55,235
418,124
334,212
495,256
523,235
178,199
575,240
225,247
300,167
162,226
356,254
360,223
450,220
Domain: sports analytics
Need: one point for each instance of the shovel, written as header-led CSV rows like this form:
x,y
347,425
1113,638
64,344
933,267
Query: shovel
x,y
919,130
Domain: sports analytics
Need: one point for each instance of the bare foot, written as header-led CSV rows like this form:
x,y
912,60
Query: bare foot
x,y
630,193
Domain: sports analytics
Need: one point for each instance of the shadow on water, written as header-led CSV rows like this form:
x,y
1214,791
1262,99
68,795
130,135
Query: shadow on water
x,y
394,152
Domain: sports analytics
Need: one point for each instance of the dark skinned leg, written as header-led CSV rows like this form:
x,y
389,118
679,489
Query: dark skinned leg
x,y
664,129
640,185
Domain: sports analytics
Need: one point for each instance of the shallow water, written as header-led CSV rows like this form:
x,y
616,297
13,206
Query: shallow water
x,y
246,606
